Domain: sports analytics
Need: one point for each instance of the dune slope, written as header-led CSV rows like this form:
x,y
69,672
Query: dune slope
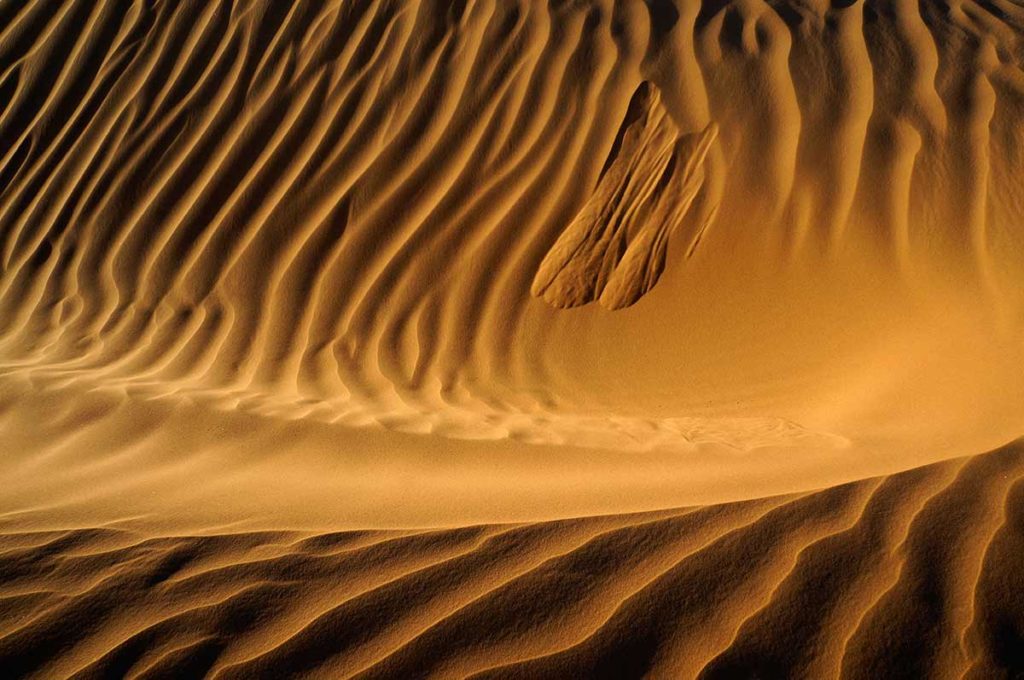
x,y
377,213
511,338
912,575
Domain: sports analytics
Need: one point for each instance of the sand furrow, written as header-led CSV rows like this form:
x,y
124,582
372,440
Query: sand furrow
x,y
235,620
331,209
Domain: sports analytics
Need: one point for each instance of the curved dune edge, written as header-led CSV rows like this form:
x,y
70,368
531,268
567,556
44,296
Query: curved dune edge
x,y
78,458
917,574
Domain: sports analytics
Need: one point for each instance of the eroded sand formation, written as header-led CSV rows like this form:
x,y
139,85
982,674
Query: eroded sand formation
x,y
304,267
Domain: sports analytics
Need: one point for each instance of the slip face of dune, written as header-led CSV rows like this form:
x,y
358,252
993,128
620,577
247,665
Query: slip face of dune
x,y
511,338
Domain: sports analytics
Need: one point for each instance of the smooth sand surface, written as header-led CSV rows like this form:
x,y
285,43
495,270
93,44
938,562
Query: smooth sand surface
x,y
511,338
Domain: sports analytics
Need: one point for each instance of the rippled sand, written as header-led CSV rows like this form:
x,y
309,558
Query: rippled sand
x,y
567,338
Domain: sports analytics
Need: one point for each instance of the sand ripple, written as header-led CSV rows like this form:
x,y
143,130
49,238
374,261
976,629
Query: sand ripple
x,y
912,575
341,207
323,265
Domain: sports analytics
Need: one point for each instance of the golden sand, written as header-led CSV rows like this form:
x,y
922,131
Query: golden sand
x,y
511,338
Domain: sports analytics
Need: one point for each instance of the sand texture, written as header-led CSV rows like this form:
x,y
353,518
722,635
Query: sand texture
x,y
512,338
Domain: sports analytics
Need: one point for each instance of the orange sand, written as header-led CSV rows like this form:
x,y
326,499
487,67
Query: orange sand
x,y
511,338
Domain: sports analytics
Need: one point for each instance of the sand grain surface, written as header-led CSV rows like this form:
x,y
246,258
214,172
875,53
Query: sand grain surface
x,y
511,338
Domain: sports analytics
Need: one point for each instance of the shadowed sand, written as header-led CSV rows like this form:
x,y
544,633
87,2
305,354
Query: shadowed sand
x,y
390,337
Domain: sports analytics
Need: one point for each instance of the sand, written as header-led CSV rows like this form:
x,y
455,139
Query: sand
x,y
511,338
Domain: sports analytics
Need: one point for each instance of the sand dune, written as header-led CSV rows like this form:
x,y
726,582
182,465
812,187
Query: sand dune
x,y
339,210
913,575
558,338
